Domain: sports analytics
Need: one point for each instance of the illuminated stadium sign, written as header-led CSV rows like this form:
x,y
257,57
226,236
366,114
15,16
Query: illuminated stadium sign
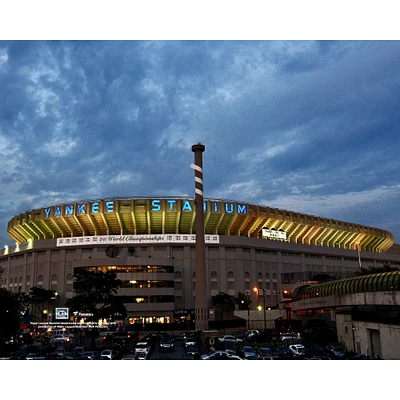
x,y
273,234
156,205
158,216
134,239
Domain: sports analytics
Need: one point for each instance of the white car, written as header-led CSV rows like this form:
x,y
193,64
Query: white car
x,y
252,332
230,338
142,348
297,349
59,339
220,355
288,338
110,354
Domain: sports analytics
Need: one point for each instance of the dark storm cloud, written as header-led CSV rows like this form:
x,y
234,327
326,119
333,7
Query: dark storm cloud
x,y
306,126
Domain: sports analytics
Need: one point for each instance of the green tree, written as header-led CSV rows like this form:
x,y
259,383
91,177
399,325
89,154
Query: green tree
x,y
40,298
9,313
244,301
225,301
96,293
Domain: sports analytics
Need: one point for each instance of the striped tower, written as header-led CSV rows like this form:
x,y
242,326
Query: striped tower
x,y
201,299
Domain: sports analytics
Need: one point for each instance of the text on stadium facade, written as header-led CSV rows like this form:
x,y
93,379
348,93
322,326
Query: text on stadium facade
x,y
134,239
155,206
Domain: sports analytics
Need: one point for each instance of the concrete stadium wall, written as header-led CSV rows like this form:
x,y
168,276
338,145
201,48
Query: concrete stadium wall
x,y
358,336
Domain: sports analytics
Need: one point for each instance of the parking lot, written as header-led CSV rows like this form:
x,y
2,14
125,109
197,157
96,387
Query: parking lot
x,y
176,354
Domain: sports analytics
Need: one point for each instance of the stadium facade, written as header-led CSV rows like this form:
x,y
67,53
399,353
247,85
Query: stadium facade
x,y
150,243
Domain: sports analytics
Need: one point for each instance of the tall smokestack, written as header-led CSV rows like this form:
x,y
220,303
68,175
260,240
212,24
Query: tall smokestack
x,y
201,299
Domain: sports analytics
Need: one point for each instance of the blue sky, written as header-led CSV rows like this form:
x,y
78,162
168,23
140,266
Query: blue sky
x,y
306,126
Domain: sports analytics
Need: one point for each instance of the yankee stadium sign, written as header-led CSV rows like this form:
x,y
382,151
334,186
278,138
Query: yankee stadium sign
x,y
155,205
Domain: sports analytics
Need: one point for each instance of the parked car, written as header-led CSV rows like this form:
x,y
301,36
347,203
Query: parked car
x,y
34,356
167,343
181,336
60,351
129,356
249,353
142,348
187,357
241,335
193,350
206,355
265,353
316,350
297,349
59,339
79,350
335,350
229,338
189,341
142,356
263,337
319,358
69,355
289,338
110,354
91,354
252,332
230,347
359,357
156,337
218,355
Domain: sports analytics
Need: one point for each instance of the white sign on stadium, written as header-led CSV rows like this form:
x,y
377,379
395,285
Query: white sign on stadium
x,y
273,234
133,239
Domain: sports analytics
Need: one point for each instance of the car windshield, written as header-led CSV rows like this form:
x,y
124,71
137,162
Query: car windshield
x,y
142,345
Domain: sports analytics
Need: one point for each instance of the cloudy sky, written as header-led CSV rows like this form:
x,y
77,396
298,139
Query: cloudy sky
x,y
306,126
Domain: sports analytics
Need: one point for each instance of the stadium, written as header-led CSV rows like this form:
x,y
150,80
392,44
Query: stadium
x,y
150,243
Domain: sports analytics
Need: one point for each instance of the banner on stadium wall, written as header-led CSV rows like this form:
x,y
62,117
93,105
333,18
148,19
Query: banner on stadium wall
x,y
133,239
273,234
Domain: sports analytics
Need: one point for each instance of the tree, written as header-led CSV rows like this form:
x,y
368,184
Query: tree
x,y
40,298
9,313
225,301
96,293
244,301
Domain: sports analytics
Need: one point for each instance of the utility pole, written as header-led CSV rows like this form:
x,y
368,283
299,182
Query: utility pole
x,y
201,299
